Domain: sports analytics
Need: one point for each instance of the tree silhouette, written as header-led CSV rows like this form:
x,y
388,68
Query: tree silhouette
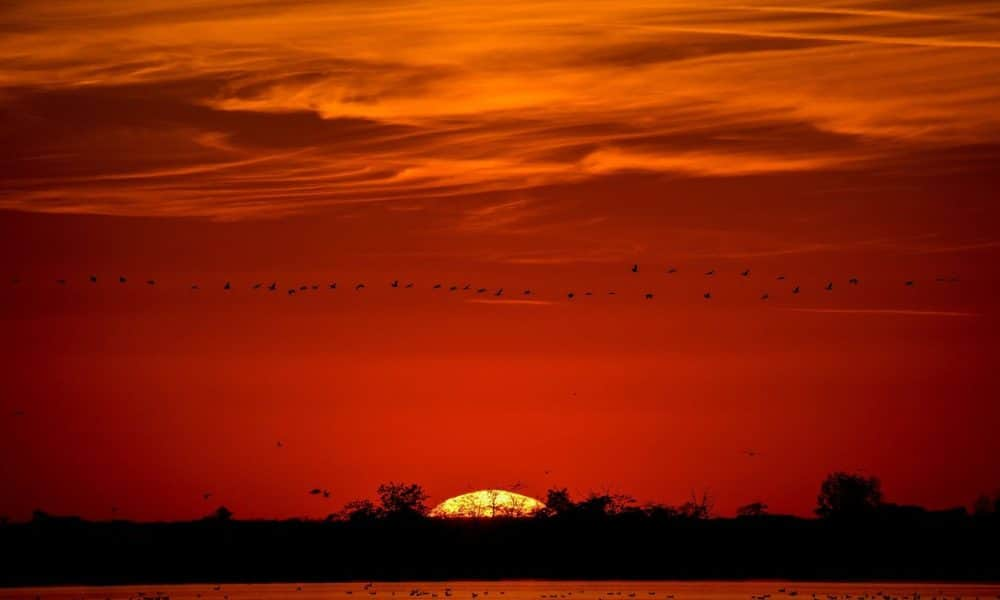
x,y
402,500
360,510
221,514
754,509
848,495
557,503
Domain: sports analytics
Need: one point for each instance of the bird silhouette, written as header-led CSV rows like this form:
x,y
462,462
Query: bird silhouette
x,y
257,286
273,286
745,273
333,285
280,444
612,293
227,286
751,453
466,287
909,283
437,286
61,281
764,296
499,292
395,283
671,270
829,286
359,286
326,493
453,288
570,295
588,293
206,495
315,286
526,292
710,272
480,290
291,291
649,296
151,282
303,288
409,285
707,295
635,268
853,281
93,279
121,279
780,278
795,290
194,286
315,492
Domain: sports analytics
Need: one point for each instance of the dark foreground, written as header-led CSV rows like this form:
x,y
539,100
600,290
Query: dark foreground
x,y
902,545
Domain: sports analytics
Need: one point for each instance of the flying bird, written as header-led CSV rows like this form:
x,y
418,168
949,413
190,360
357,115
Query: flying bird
x,y
273,286
303,288
257,286
194,286
671,270
526,292
467,286
499,292
480,290
710,272
909,283
359,286
649,296
206,495
780,278
315,286
746,273
437,286
151,282
611,293
291,291
795,290
853,281
635,268
570,295
409,285
829,286
333,285
707,295
280,445
227,286
315,492
764,296
121,279
395,283
588,293
453,288
61,281
93,279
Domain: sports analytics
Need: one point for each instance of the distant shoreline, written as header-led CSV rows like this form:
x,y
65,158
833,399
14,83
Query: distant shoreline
x,y
897,545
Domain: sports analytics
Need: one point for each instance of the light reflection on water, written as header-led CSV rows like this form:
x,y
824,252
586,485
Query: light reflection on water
x,y
524,590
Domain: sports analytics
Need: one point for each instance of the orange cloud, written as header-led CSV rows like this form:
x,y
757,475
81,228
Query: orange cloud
x,y
232,109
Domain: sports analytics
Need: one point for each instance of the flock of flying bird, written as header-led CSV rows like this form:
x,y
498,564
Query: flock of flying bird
x,y
496,292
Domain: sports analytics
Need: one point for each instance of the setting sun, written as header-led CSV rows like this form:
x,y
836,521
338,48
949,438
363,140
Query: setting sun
x,y
488,504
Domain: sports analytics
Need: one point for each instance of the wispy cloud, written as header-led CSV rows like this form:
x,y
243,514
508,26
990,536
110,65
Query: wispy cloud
x,y
886,311
510,302
207,108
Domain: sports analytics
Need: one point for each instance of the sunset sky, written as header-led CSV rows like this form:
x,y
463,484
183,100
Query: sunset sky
x,y
523,145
